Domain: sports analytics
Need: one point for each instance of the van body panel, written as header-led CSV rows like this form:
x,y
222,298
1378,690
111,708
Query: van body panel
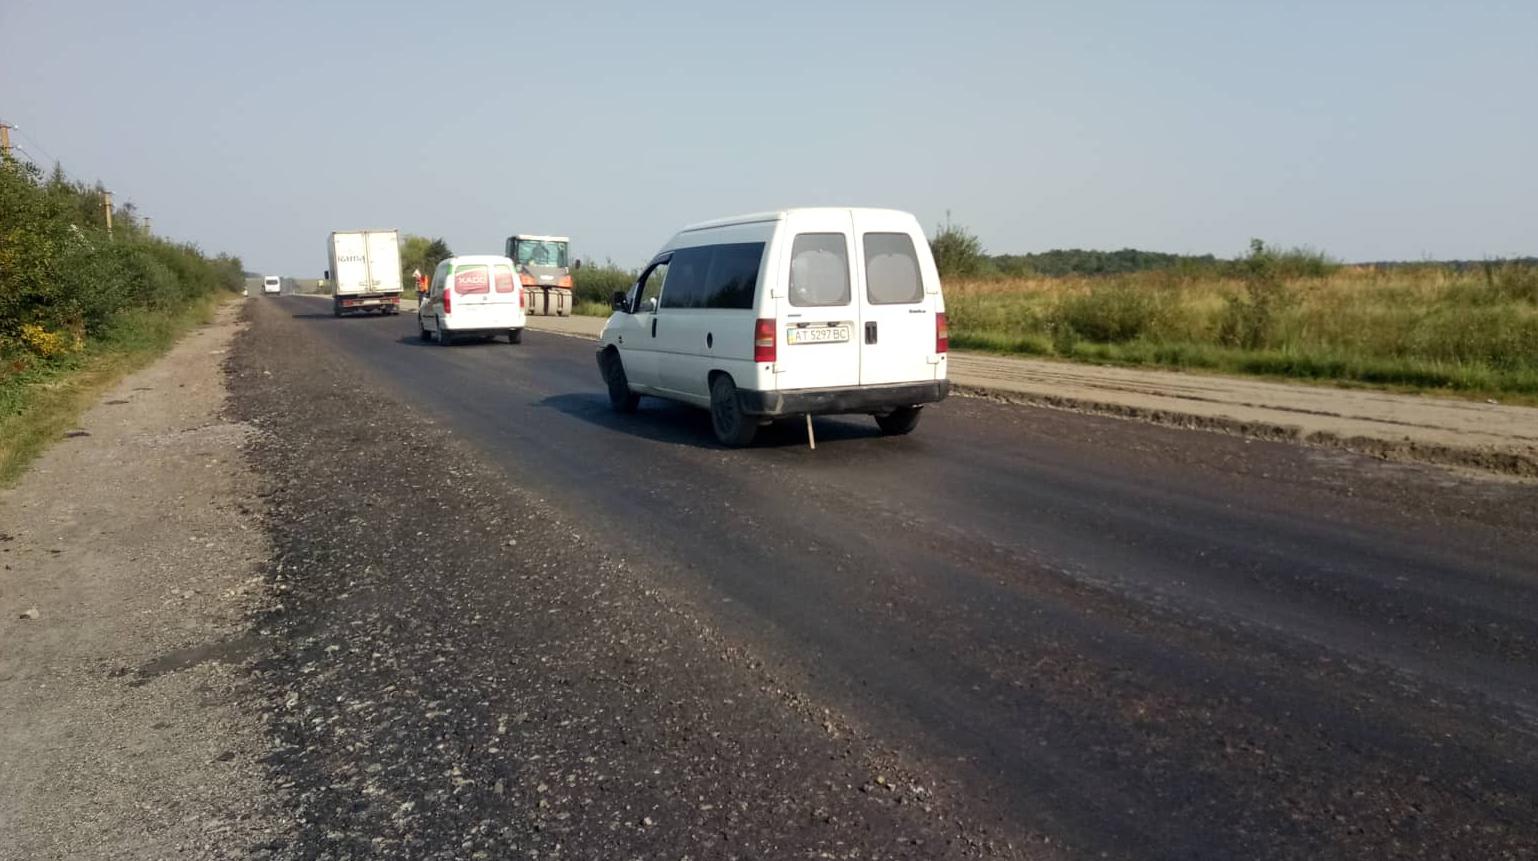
x,y
694,342
272,284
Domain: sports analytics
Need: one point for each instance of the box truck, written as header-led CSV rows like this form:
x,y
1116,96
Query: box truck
x,y
365,271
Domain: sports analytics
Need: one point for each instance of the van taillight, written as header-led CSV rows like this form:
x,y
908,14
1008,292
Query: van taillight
x,y
447,305
942,334
763,341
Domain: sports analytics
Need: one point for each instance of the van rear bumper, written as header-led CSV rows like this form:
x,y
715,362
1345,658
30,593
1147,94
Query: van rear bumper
x,y
864,399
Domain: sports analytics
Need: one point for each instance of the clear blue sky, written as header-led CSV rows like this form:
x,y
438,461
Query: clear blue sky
x,y
1369,129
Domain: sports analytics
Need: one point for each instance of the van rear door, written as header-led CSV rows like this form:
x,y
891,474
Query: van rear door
x,y
817,309
898,301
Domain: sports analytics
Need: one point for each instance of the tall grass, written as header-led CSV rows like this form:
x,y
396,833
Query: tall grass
x,y
1434,327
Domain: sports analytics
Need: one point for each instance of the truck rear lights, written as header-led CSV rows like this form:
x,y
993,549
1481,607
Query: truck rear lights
x,y
764,345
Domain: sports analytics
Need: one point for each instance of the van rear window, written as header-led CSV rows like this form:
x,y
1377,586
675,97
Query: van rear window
x,y
471,279
819,270
892,270
505,280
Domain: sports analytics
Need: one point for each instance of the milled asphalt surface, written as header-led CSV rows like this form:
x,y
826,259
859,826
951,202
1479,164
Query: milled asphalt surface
x,y
1053,634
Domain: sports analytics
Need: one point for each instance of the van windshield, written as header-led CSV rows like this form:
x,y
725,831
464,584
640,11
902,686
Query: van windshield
x,y
539,252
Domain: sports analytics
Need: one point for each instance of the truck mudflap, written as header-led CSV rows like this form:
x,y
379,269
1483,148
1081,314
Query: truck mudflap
x,y
861,399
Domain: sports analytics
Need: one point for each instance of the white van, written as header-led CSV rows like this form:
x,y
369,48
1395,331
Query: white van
x,y
473,296
792,313
272,284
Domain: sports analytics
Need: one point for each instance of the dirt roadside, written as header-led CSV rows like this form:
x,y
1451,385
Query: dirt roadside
x,y
131,561
1411,428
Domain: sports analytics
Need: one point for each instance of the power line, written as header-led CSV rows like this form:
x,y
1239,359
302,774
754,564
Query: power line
x,y
35,145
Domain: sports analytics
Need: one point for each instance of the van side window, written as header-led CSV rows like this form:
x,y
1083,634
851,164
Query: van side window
x,y
892,270
714,276
819,270
733,276
651,288
686,278
440,275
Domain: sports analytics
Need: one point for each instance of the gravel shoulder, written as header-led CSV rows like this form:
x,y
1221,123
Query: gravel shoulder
x,y
130,564
1403,427
456,670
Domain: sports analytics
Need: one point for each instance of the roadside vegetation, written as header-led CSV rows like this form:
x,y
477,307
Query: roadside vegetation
x,y
1470,328
80,307
593,287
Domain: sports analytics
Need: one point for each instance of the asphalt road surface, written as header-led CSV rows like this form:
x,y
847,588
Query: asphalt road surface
x,y
1098,637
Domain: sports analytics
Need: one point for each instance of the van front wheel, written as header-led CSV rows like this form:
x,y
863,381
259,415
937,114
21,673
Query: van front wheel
x,y
733,427
899,421
621,398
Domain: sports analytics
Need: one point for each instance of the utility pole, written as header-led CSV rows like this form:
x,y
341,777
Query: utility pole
x,y
106,205
5,140
147,220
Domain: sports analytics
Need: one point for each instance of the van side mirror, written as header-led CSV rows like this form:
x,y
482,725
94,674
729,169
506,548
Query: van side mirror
x,y
617,301
326,276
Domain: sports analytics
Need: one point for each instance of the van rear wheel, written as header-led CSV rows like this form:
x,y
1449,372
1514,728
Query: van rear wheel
x,y
422,331
444,338
733,427
899,421
515,336
621,398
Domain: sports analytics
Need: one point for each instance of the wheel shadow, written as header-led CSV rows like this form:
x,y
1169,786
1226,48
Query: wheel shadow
x,y
667,422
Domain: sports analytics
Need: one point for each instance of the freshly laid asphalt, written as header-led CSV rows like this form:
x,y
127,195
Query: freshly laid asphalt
x,y
1062,635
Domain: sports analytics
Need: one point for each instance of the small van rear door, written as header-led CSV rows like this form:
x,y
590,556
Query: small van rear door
x,y
817,325
897,307
472,290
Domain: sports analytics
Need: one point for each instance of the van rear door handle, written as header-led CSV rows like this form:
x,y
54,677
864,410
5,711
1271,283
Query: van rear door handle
x,y
654,327
870,333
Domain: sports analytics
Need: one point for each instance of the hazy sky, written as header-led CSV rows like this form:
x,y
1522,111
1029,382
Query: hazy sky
x,y
1369,129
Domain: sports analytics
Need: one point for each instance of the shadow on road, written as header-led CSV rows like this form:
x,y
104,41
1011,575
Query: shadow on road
x,y
664,421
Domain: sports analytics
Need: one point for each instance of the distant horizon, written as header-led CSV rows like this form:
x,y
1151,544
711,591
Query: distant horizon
x,y
1374,131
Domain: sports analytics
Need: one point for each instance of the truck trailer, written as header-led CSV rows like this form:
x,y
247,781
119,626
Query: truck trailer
x,y
365,271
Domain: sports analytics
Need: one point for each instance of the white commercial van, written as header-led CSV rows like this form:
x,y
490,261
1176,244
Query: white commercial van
x,y
473,296
272,284
792,313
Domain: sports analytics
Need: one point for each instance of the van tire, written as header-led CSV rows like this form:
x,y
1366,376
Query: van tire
x,y
444,338
515,336
733,427
899,421
621,398
422,331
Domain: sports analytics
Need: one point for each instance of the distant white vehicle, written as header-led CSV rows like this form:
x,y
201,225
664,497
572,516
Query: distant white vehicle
x,y
272,284
366,271
795,313
473,296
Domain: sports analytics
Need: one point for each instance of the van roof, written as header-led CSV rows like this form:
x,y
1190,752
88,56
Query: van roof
x,y
479,258
780,214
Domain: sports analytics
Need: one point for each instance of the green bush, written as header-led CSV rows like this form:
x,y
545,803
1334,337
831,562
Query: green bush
x,y
599,283
64,279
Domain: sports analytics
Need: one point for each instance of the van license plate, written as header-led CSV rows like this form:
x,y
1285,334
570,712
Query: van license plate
x,y
817,335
